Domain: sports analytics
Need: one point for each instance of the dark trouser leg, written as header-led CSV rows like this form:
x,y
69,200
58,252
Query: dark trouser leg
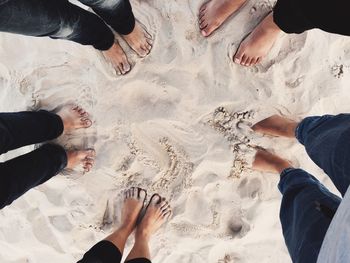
x,y
25,172
139,260
57,19
102,252
117,13
297,16
107,252
26,128
306,212
327,142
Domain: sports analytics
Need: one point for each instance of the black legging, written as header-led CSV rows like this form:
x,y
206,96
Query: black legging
x,y
297,16
107,252
19,175
59,19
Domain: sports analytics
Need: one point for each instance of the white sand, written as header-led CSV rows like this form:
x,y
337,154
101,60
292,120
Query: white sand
x,y
162,127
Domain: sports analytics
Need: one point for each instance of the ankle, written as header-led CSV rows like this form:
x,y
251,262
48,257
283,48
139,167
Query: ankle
x,y
270,25
142,234
291,129
126,228
282,165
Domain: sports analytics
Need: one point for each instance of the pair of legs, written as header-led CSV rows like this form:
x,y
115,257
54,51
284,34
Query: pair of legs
x,y
111,249
25,128
307,207
289,16
62,20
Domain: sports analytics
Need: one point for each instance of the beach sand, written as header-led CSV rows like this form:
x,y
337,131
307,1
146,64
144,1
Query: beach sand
x,y
178,124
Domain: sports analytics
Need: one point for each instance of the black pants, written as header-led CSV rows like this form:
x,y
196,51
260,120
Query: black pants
x,y
19,175
59,19
107,252
297,16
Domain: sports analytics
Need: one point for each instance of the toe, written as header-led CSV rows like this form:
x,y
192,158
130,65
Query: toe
x,y
243,60
84,114
91,153
210,29
155,199
167,214
258,60
85,122
149,41
163,204
148,35
119,69
203,25
142,193
133,192
239,56
249,62
87,168
126,66
253,61
203,8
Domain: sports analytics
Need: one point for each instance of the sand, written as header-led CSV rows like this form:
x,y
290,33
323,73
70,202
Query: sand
x,y
178,124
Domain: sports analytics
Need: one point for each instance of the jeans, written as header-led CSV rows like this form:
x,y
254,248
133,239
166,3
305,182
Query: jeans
x,y
59,19
27,171
297,16
107,252
307,207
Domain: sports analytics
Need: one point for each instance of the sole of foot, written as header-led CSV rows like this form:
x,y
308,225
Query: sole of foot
x,y
157,212
83,158
139,40
214,13
265,161
117,57
258,43
276,126
74,117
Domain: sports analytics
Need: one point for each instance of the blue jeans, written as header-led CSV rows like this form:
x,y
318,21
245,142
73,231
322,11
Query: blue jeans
x,y
59,19
307,206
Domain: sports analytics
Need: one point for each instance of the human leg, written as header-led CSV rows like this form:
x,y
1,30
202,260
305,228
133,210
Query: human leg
x,y
26,128
307,207
326,140
111,249
35,168
55,19
157,212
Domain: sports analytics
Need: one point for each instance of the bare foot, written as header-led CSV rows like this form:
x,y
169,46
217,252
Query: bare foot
x,y
139,40
117,57
214,13
157,212
74,117
276,126
134,199
85,158
259,43
267,162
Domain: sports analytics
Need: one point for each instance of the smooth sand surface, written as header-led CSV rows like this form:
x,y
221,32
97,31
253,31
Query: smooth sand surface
x,y
178,124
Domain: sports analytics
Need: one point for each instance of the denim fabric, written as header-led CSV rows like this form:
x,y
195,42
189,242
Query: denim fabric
x,y
27,171
307,210
59,19
327,142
